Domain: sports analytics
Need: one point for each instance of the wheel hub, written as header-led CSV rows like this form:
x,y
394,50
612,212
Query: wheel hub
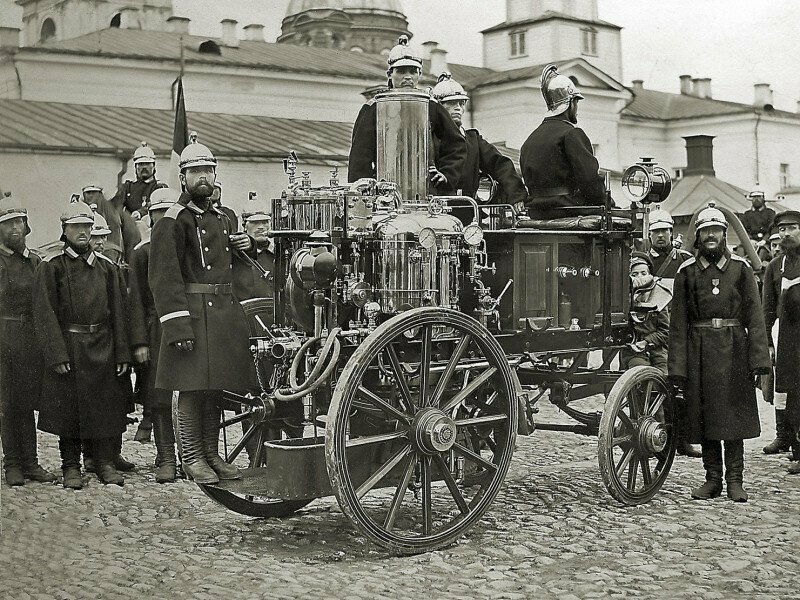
x,y
434,431
652,435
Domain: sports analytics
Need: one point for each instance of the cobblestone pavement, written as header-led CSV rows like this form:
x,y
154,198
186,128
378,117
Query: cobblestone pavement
x,y
554,532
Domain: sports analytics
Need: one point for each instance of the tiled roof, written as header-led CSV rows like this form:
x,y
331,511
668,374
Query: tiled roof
x,y
664,106
107,129
694,191
547,16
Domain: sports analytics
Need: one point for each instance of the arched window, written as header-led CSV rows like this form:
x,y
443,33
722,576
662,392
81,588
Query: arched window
x,y
209,47
116,20
48,30
589,41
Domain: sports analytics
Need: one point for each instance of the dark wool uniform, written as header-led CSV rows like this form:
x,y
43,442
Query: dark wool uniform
x,y
718,362
651,326
133,195
758,222
666,264
781,297
254,283
124,234
145,329
559,168
20,359
191,280
81,319
452,147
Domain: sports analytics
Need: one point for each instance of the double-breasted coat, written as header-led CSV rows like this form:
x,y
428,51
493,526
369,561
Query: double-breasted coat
x,y
81,319
20,360
717,360
133,195
781,299
191,273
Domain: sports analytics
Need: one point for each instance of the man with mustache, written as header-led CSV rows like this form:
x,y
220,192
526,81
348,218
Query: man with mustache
x,y
757,220
717,347
405,69
20,361
79,311
205,342
781,299
133,195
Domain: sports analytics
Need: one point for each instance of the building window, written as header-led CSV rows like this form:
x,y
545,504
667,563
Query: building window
x,y
358,49
116,21
209,47
48,30
589,41
517,39
784,180
595,149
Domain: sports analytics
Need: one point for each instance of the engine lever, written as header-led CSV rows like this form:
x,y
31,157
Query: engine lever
x,y
500,297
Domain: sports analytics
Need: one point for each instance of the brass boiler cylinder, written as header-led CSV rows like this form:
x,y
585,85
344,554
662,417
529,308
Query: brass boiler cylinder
x,y
403,138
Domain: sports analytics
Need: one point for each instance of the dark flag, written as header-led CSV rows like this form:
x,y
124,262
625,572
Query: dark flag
x,y
180,136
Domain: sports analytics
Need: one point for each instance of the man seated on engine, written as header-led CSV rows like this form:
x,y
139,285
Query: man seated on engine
x,y
557,160
405,69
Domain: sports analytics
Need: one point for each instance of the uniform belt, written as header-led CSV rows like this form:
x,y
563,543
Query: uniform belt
x,y
17,318
80,328
718,323
555,191
217,289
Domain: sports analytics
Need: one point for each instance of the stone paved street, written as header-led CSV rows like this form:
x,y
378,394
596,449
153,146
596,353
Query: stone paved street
x,y
554,532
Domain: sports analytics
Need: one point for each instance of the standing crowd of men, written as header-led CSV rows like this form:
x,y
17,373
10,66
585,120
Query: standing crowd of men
x,y
168,307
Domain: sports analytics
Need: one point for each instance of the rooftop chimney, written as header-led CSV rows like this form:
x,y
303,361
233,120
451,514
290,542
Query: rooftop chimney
x,y
686,84
254,32
438,61
702,87
762,96
699,155
9,37
129,18
798,107
229,33
427,48
179,24
638,84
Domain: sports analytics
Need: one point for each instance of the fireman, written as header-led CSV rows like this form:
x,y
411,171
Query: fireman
x,y
557,160
665,256
405,69
133,195
482,157
758,219
124,234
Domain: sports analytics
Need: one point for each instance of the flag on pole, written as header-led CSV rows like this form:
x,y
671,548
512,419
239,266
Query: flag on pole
x,y
180,136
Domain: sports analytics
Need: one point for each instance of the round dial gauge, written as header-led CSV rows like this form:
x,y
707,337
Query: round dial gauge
x,y
473,234
427,238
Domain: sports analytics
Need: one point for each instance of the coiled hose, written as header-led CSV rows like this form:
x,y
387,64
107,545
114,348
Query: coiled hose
x,y
328,358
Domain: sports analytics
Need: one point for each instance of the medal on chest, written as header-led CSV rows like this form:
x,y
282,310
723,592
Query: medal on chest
x,y
715,289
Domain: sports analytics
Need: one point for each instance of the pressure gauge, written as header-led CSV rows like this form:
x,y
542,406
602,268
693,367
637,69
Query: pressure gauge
x,y
427,238
473,234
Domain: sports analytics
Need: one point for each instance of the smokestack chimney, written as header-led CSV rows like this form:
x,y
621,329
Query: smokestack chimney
x,y
638,84
699,155
438,61
427,48
129,18
686,84
702,87
229,33
179,24
9,37
254,32
762,96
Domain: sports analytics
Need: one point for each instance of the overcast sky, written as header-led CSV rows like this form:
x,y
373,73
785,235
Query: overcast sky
x,y
734,42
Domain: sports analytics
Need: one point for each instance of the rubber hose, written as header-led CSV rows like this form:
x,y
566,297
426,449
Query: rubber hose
x,y
326,348
337,347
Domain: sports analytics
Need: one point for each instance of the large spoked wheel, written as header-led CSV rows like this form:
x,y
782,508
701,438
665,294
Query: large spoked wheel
x,y
399,440
244,434
637,439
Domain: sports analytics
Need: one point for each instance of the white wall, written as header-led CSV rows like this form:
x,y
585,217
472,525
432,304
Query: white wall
x,y
538,46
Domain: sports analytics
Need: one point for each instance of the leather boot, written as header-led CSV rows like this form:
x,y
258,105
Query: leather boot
x,y
70,450
783,437
794,469
120,463
734,470
211,442
712,462
165,443
14,476
31,468
190,431
144,430
104,451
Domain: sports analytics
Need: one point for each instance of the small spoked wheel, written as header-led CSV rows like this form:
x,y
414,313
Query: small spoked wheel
x,y
637,439
421,429
244,432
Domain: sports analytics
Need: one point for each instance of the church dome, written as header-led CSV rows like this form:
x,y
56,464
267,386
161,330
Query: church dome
x,y
298,6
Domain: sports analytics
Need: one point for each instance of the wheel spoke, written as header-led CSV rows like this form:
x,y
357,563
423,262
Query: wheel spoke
x,y
481,420
425,365
447,374
624,462
400,378
647,476
657,405
626,420
427,500
375,478
390,410
476,458
625,439
237,449
238,418
469,389
633,407
374,439
400,492
633,471
258,459
451,484
648,392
